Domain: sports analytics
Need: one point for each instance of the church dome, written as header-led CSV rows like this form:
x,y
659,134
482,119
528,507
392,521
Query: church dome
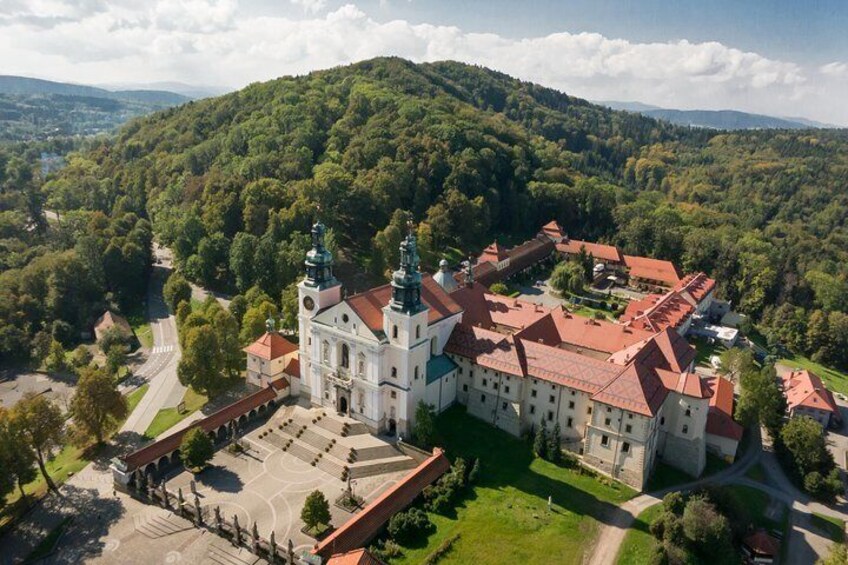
x,y
445,278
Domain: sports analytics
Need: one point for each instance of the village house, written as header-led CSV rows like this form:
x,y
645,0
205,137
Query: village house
x,y
806,395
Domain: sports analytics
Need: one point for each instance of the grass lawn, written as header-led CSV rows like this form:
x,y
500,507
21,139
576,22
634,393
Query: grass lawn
x,y
665,476
506,519
135,397
836,381
141,327
704,350
638,545
833,528
166,418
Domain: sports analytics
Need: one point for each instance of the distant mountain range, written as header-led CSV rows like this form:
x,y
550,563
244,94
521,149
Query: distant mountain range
x,y
33,108
715,119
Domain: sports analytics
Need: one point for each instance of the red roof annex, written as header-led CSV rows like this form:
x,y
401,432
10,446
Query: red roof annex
x,y
652,269
270,346
806,389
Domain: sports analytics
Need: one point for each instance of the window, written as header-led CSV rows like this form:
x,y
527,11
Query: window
x,y
417,332
629,416
607,421
625,447
471,373
589,410
685,429
485,382
483,399
464,388
550,415
394,332
662,421
394,394
532,409
609,409
345,356
460,370
533,393
506,390
551,399
570,423
688,412
325,352
571,404
573,393
495,386
394,372
503,406
434,345
415,373
309,341
345,319
605,440
628,428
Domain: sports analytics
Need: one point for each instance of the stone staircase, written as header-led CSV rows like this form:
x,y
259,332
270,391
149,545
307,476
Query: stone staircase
x,y
223,553
383,465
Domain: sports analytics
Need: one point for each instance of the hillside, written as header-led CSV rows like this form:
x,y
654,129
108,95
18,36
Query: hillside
x,y
40,109
232,183
715,119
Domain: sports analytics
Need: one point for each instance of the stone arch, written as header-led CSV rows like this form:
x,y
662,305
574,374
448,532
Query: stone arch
x,y
222,433
163,462
242,420
150,469
251,415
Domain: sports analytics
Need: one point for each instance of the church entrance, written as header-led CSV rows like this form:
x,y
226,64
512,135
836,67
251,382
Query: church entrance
x,y
392,427
342,404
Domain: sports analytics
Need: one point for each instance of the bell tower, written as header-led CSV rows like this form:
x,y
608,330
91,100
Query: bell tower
x,y
320,288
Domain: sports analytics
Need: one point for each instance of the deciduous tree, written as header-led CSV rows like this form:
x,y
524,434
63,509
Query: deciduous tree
x,y
41,423
196,449
97,404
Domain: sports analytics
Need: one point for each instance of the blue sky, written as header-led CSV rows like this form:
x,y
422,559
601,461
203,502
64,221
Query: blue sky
x,y
776,57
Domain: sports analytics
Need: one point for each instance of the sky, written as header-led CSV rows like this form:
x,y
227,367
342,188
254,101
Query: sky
x,y
778,57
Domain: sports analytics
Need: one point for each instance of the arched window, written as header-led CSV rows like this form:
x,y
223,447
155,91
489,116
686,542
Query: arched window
x,y
394,332
434,344
360,364
394,372
415,372
345,356
417,332
325,352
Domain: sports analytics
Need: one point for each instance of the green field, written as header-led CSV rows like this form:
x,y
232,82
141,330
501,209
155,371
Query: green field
x,y
166,418
665,476
506,518
638,545
135,397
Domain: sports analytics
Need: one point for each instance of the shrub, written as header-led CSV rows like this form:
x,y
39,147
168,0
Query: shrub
x,y
409,525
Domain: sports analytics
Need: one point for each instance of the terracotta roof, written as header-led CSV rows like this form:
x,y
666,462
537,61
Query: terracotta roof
x,y
481,308
803,388
270,346
607,253
520,257
561,327
152,452
362,527
280,384
369,304
685,383
637,389
494,253
566,368
652,269
720,420
553,230
698,286
293,367
763,544
486,348
111,320
356,557
666,349
658,311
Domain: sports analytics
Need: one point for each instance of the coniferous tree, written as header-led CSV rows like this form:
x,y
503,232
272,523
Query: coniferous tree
x,y
540,443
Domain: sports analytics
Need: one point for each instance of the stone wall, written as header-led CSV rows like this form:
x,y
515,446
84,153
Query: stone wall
x,y
688,455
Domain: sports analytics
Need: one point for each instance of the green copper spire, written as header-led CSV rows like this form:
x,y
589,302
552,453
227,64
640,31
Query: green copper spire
x,y
406,281
319,261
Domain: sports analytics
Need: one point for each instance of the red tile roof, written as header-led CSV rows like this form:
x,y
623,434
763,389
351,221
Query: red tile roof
x,y
152,452
553,230
486,310
658,311
520,257
652,269
356,557
562,327
566,368
293,368
270,346
494,253
637,389
763,544
698,286
109,320
369,304
720,420
280,384
685,383
806,389
606,253
362,527
486,348
666,349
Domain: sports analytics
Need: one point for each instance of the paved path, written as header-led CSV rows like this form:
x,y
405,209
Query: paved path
x,y
160,370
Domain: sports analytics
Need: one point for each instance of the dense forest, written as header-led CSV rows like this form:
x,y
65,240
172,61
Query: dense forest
x,y
233,183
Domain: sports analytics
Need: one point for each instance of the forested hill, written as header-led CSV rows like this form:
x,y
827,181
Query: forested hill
x,y
232,182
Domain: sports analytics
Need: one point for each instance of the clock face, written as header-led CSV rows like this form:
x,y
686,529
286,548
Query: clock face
x,y
308,303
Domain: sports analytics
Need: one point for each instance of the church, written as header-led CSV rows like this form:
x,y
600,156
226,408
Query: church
x,y
622,394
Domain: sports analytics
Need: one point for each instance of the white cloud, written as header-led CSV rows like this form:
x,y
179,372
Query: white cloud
x,y
212,41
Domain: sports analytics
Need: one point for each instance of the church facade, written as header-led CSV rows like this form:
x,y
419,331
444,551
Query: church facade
x,y
622,396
